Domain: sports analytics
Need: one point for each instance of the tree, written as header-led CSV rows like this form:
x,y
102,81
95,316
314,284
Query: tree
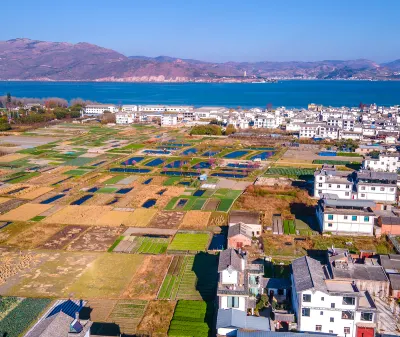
x,y
230,129
8,97
4,125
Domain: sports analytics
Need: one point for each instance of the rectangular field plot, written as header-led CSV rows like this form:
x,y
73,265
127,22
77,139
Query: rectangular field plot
x,y
190,277
189,241
125,313
191,318
107,276
22,316
142,245
290,171
128,314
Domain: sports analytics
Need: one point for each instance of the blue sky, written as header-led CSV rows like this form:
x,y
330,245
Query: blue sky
x,y
216,30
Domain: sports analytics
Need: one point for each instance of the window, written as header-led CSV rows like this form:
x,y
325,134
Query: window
x,y
330,216
320,185
281,292
329,185
382,189
372,188
366,316
233,302
338,186
366,218
347,194
391,189
347,331
362,188
362,195
321,313
345,217
347,186
306,298
330,224
354,218
331,319
322,298
318,328
330,331
349,300
332,305
347,315
305,312
320,178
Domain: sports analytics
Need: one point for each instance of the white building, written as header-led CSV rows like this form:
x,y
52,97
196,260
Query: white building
x,y
328,180
239,284
129,108
124,118
387,162
326,305
169,119
346,217
377,186
98,109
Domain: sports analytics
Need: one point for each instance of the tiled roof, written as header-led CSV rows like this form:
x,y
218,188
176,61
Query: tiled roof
x,y
308,274
228,258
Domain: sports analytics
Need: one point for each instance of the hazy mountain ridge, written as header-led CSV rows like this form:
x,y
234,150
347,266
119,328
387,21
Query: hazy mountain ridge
x,y
25,59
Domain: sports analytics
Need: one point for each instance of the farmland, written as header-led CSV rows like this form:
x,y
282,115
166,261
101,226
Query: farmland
x,y
192,318
122,217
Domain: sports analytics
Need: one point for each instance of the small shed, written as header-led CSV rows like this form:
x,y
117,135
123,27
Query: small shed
x,y
238,237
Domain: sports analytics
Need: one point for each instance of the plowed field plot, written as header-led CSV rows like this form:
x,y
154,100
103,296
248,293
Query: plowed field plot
x,y
211,204
148,278
128,314
142,245
34,235
62,238
54,276
157,318
189,241
25,212
96,239
166,219
190,277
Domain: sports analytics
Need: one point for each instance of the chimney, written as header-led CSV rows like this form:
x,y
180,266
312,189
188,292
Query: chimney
x,y
77,316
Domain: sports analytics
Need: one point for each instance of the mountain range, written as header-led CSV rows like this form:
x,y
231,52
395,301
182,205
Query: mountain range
x,y
25,59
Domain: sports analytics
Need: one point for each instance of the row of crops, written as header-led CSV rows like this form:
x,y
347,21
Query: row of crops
x,y
191,278
191,318
332,162
22,316
290,171
289,227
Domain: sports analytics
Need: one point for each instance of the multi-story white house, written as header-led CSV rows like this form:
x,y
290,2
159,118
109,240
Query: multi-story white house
x,y
387,162
169,119
309,130
123,118
98,109
326,305
346,217
328,180
239,284
377,186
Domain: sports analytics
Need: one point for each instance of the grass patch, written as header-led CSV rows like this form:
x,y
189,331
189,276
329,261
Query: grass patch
x,y
76,173
37,218
225,205
107,190
115,244
114,180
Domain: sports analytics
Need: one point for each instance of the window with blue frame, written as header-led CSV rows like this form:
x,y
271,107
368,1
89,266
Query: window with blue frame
x,y
366,219
354,218
233,302
330,216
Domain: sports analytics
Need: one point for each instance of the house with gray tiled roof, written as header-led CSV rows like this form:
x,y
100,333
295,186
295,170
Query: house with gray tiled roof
x,y
324,304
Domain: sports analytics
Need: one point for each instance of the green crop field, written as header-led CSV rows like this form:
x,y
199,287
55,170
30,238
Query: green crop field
x,y
114,180
290,171
225,205
107,190
289,227
190,277
22,316
76,172
189,241
148,245
23,177
191,318
332,162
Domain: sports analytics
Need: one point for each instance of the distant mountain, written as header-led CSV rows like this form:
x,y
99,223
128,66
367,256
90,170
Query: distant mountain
x,y
25,59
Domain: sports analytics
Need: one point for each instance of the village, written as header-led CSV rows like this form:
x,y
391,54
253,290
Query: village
x,y
287,225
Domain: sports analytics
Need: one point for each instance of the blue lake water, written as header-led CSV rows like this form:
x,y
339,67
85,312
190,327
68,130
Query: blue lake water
x,y
286,93
236,154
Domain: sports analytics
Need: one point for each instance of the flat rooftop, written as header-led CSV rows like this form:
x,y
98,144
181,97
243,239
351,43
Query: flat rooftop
x,y
340,286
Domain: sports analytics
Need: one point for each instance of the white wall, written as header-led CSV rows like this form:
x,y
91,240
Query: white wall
x,y
376,192
345,223
229,277
224,303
